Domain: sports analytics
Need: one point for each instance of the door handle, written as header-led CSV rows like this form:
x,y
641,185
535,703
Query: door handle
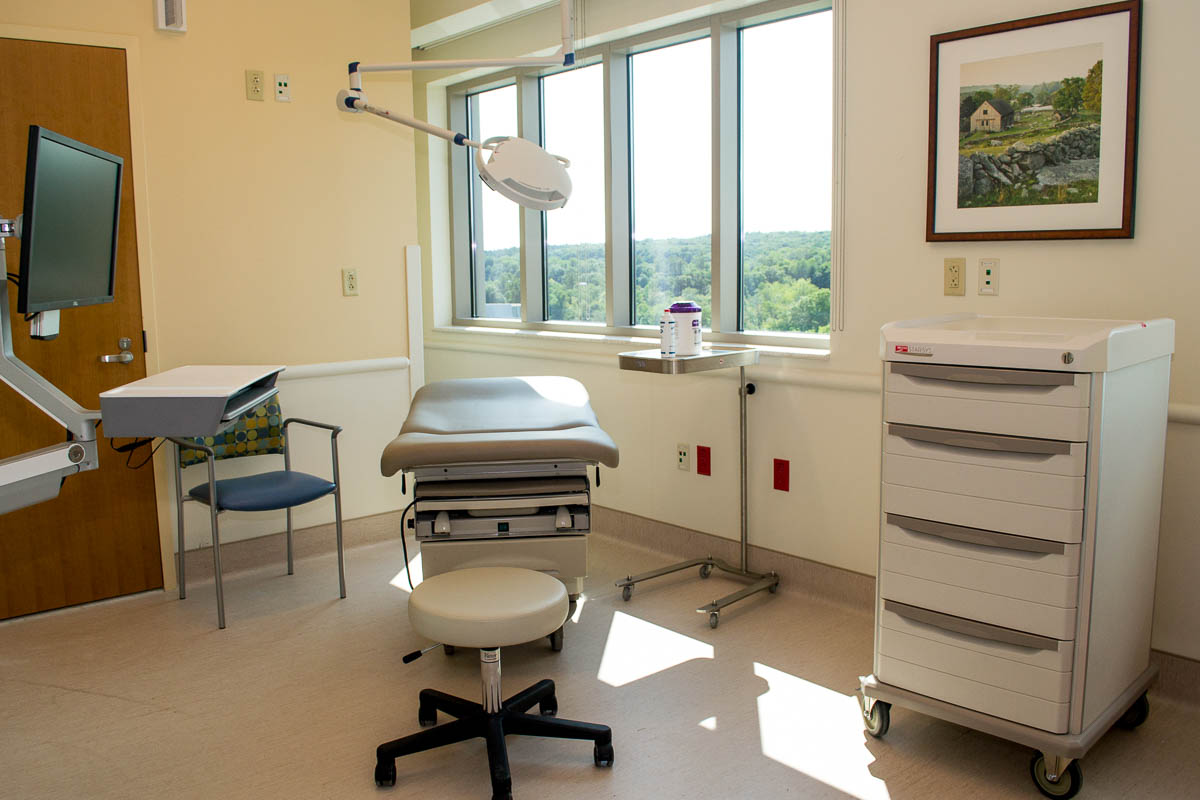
x,y
123,357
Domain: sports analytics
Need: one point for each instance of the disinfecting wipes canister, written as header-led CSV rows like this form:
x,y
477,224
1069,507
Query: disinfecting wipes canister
x,y
687,326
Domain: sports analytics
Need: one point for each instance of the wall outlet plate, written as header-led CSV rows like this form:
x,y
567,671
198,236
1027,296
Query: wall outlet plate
x,y
255,84
349,283
954,277
989,276
684,454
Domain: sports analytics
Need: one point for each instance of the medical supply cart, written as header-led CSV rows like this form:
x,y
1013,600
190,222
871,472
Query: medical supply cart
x,y
1022,467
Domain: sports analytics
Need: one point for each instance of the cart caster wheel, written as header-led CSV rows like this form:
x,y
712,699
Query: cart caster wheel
x,y
602,754
548,707
1136,715
571,608
705,570
627,592
426,719
385,774
714,619
1067,785
879,720
556,640
448,649
773,588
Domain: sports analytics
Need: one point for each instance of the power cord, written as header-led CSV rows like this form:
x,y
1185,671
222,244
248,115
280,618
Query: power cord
x,y
404,544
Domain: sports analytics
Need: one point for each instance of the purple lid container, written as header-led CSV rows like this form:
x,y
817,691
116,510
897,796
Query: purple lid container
x,y
685,307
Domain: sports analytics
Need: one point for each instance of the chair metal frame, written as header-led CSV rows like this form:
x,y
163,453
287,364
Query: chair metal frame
x,y
215,510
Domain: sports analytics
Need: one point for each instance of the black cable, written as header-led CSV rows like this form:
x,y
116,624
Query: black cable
x,y
404,544
146,460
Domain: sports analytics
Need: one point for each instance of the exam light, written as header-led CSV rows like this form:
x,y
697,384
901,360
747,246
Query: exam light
x,y
516,168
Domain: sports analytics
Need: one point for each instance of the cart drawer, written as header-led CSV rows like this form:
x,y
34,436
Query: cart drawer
x,y
975,544
1065,423
1047,655
561,556
1019,614
961,691
1022,519
996,483
1035,387
986,449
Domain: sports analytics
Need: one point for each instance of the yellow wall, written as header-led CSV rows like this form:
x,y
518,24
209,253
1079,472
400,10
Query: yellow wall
x,y
255,207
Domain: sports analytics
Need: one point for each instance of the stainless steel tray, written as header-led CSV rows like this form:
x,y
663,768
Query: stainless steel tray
x,y
710,358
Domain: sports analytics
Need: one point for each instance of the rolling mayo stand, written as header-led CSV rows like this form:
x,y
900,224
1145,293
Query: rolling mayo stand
x,y
652,361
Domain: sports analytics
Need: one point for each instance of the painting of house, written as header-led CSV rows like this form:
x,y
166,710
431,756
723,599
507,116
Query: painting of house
x,y
993,115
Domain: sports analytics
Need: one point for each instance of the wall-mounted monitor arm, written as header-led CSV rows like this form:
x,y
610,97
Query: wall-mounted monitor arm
x,y
32,477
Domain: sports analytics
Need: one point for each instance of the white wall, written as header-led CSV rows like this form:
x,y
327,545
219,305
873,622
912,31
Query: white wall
x,y
824,415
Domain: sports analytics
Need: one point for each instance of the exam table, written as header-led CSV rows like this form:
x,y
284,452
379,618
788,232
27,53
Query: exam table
x,y
500,471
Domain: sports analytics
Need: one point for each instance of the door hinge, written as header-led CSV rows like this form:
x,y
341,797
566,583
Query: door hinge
x,y
145,348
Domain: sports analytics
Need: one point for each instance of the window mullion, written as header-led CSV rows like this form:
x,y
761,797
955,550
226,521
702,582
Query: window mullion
x,y
462,217
529,126
726,194
618,234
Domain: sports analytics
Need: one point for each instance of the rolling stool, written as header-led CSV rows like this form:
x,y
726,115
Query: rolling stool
x,y
489,608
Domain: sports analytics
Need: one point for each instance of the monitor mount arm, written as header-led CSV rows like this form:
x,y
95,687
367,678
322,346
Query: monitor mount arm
x,y
35,476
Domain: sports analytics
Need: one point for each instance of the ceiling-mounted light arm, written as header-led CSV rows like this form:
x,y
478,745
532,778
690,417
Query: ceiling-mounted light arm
x,y
355,100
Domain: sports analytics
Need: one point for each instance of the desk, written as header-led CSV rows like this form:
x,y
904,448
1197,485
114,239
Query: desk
x,y
712,358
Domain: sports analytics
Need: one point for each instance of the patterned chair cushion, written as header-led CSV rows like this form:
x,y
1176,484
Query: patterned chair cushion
x,y
256,433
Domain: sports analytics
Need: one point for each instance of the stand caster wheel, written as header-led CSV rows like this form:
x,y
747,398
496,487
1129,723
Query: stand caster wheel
x,y
714,619
385,774
556,640
602,754
448,649
427,719
1067,785
705,570
773,588
627,592
548,707
879,720
1136,715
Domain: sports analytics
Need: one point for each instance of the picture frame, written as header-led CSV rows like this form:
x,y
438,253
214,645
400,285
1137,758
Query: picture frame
x,y
1033,127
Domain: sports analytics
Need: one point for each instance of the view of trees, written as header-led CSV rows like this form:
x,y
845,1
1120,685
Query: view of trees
x,y
785,279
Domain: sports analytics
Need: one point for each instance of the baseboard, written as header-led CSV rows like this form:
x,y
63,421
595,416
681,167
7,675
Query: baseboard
x,y
1178,677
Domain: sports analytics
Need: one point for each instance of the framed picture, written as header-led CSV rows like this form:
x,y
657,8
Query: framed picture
x,y
1033,127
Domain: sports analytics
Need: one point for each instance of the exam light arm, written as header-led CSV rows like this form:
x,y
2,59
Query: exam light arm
x,y
353,100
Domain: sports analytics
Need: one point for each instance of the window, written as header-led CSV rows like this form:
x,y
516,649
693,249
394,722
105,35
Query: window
x,y
703,169
573,125
786,92
670,91
495,229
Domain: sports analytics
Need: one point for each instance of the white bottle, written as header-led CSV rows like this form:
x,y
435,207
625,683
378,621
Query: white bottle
x,y
667,334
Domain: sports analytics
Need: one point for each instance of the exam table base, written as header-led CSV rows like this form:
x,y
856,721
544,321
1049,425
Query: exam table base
x,y
1057,752
472,721
768,581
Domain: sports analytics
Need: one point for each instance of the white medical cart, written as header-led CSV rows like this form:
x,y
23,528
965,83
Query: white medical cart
x,y
1022,467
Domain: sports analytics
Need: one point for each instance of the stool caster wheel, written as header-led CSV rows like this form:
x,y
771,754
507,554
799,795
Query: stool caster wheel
x,y
501,795
556,640
502,790
714,619
427,719
385,774
548,707
448,649
602,754
627,592
705,570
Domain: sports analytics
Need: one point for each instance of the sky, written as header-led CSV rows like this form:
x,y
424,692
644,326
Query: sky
x,y
1031,69
787,101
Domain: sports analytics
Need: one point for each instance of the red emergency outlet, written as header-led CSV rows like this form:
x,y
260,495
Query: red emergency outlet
x,y
703,460
782,470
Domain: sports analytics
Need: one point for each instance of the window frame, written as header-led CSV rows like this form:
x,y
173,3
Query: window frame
x,y
723,32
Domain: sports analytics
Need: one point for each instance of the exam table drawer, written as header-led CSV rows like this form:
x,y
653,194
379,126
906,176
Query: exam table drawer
x,y
988,547
562,556
986,449
1041,618
1065,423
1034,387
1004,673
1021,519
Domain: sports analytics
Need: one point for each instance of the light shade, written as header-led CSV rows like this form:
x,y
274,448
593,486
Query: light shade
x,y
524,173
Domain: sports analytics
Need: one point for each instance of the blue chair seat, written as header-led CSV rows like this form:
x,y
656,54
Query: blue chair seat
x,y
266,491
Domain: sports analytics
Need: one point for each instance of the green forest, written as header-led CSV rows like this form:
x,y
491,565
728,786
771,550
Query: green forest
x,y
785,280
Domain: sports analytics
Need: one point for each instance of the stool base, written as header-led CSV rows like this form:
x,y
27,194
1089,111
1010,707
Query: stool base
x,y
471,721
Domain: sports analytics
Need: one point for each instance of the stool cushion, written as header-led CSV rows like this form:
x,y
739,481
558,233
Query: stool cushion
x,y
488,606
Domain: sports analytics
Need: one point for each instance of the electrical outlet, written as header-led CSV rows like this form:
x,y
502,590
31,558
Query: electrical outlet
x,y
989,276
684,452
283,89
349,283
254,84
954,278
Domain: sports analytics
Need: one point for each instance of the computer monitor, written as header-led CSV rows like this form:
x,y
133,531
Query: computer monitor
x,y
69,231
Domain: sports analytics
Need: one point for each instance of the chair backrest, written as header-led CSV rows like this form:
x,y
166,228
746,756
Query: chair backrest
x,y
258,432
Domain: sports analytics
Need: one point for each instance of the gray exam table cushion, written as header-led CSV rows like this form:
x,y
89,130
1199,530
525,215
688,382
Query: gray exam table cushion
x,y
478,420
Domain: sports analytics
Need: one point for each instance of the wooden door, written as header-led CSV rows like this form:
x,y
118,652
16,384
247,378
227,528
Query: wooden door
x,y
99,537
